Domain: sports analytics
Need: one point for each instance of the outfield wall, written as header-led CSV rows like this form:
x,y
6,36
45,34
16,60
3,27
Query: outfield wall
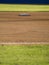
x,y
25,1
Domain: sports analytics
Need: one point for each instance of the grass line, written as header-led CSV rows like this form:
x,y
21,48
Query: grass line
x,y
20,7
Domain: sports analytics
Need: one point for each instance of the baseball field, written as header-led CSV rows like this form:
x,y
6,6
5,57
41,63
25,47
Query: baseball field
x,y
29,34
15,28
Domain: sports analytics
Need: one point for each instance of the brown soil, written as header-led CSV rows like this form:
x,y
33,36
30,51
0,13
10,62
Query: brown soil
x,y
14,28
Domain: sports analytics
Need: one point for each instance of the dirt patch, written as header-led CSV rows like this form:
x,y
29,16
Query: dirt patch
x,y
14,28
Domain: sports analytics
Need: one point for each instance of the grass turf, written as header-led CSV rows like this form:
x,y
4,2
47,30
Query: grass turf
x,y
21,7
24,55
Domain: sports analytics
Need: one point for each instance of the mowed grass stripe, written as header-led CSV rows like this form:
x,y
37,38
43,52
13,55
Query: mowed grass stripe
x,y
22,7
24,55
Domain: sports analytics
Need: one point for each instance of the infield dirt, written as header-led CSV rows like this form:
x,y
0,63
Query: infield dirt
x,y
15,28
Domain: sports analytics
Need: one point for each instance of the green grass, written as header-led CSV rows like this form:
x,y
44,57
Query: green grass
x,y
24,55
18,7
